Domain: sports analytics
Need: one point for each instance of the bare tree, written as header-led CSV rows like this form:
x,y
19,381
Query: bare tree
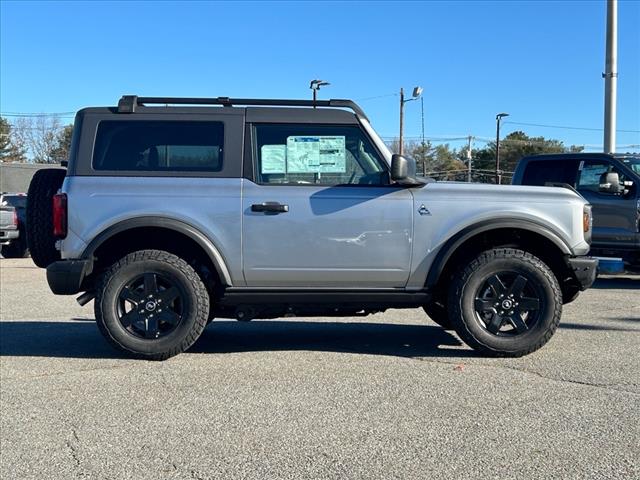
x,y
42,138
20,129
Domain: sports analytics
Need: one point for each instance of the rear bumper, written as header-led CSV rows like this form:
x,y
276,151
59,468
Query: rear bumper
x,y
66,276
584,270
7,235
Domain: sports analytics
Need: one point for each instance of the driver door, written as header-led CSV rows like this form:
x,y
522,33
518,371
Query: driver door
x,y
320,211
614,215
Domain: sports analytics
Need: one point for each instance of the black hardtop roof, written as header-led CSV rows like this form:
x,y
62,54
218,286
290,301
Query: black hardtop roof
x,y
134,103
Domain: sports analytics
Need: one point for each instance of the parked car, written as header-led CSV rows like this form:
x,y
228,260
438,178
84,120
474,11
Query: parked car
x,y
14,244
610,183
8,228
247,208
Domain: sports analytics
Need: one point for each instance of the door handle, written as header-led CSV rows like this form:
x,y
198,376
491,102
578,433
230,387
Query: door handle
x,y
269,207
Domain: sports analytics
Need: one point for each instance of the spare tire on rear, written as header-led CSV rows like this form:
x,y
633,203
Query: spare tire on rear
x,y
42,244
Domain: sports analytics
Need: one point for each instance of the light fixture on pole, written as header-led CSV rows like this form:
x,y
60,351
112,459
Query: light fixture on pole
x,y
417,92
499,117
315,86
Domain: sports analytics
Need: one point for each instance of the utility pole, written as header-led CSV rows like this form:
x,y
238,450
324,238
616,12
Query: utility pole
x,y
401,119
469,159
498,173
611,77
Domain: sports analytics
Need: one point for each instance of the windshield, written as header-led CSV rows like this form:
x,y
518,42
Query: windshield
x,y
633,164
19,201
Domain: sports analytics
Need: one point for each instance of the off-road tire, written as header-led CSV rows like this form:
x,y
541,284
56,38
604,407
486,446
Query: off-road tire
x,y
462,302
42,244
437,311
186,333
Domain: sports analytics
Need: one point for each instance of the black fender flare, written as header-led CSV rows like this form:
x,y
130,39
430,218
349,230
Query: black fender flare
x,y
451,245
170,224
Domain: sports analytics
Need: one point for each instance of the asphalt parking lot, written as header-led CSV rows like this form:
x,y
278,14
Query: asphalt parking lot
x,y
380,397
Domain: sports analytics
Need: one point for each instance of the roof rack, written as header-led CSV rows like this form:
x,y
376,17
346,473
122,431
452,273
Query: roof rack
x,y
128,103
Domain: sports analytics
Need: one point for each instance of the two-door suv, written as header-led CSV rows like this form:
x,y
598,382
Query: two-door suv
x,y
174,211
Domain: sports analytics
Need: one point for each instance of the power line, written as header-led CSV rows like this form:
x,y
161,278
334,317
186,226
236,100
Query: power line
x,y
377,96
566,127
31,114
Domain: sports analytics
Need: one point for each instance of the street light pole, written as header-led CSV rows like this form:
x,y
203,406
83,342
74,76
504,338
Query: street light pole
x,y
401,120
469,158
498,173
315,86
417,92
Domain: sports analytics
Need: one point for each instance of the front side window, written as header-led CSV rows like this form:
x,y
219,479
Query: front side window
x,y
591,173
164,146
316,155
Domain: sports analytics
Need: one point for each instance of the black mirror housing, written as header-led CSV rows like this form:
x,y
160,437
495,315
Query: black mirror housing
x,y
403,170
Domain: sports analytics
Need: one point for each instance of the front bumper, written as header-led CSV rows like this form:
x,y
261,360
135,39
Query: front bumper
x,y
584,270
65,277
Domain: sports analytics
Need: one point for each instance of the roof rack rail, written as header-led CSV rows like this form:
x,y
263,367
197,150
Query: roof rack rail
x,y
128,103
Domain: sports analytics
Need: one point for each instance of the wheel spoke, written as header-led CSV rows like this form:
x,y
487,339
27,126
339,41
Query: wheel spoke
x,y
150,283
169,316
528,304
518,286
518,323
132,318
152,327
131,296
483,305
496,285
168,295
495,323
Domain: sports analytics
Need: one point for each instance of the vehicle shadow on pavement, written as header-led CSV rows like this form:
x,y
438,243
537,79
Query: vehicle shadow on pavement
x,y
624,283
80,339
585,326
341,337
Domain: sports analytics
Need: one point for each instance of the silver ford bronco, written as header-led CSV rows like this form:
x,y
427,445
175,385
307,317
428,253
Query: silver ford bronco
x,y
174,211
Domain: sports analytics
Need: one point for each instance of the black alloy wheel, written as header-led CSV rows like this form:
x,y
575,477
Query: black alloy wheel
x,y
508,303
151,305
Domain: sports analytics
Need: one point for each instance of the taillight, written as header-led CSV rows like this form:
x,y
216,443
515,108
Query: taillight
x,y
60,215
15,218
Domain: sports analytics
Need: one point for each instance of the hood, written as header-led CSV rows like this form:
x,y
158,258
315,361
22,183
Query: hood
x,y
501,193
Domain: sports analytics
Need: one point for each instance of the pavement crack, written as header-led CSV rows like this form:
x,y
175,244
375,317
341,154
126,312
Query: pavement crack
x,y
606,386
72,445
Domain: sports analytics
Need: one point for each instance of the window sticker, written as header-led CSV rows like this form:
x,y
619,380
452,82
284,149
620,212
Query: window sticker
x,y
316,154
273,158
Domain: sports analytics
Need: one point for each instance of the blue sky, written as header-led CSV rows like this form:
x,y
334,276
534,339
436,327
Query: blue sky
x,y
539,61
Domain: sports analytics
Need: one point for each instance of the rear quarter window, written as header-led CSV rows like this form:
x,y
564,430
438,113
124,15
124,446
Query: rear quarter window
x,y
543,171
159,146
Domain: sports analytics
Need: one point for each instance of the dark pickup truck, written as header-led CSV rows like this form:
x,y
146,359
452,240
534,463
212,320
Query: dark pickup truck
x,y
13,232
610,183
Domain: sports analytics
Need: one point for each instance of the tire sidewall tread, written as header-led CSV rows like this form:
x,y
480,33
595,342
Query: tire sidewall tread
x,y
40,240
174,343
471,336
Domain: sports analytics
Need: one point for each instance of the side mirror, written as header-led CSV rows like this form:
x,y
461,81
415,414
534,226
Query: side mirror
x,y
403,170
610,183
